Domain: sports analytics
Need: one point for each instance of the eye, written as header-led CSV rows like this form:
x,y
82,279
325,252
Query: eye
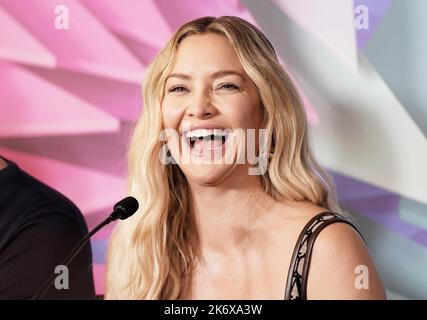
x,y
229,86
177,89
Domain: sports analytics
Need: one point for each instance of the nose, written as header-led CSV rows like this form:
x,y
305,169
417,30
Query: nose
x,y
200,105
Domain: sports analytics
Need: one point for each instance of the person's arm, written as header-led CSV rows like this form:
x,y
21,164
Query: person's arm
x,y
341,267
32,256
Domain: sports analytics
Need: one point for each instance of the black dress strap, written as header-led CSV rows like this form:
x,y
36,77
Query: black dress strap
x,y
296,285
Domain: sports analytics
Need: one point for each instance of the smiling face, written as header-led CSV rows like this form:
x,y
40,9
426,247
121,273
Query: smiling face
x,y
208,95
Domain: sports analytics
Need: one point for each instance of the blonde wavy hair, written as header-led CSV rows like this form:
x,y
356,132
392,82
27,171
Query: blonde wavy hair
x,y
152,254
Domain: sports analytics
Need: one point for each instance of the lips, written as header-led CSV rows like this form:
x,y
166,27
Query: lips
x,y
210,144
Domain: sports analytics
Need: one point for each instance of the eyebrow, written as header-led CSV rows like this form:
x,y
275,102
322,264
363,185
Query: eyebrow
x,y
217,74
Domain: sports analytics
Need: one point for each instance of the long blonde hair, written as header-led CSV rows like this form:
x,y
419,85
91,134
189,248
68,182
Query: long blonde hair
x,y
151,255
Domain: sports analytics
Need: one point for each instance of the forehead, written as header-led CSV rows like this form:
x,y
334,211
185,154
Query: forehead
x,y
199,53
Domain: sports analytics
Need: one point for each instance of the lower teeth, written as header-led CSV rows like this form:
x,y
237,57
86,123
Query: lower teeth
x,y
193,141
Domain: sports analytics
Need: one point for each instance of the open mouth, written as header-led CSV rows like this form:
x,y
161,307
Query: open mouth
x,y
201,141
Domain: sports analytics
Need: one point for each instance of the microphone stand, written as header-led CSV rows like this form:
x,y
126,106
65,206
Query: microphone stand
x,y
122,210
71,256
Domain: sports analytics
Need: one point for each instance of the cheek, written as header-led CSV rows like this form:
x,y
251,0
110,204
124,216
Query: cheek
x,y
171,116
244,115
171,122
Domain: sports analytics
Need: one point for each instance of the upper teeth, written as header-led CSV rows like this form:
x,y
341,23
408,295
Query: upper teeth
x,y
199,133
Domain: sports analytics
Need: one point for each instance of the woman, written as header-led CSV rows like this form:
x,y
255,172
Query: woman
x,y
211,226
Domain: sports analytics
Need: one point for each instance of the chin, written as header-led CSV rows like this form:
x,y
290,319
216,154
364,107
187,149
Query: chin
x,y
207,174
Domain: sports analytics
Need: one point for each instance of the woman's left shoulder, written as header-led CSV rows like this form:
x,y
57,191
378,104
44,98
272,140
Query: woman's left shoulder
x,y
298,214
342,267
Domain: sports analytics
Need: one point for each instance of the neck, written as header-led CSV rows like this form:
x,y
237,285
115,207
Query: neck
x,y
3,164
225,214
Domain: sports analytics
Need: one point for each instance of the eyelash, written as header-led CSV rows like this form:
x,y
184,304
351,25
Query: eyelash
x,y
234,87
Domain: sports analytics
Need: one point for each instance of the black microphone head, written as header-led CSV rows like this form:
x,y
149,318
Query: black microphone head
x,y
125,208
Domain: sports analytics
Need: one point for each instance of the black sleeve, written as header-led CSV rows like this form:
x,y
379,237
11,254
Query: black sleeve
x,y
31,257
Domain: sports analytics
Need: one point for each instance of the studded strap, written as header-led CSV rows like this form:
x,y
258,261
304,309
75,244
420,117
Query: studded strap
x,y
296,286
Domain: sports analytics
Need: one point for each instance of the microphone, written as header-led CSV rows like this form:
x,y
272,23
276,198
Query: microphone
x,y
122,210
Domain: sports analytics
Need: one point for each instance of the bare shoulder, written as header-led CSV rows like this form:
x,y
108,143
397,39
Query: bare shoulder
x,y
297,214
288,219
342,267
